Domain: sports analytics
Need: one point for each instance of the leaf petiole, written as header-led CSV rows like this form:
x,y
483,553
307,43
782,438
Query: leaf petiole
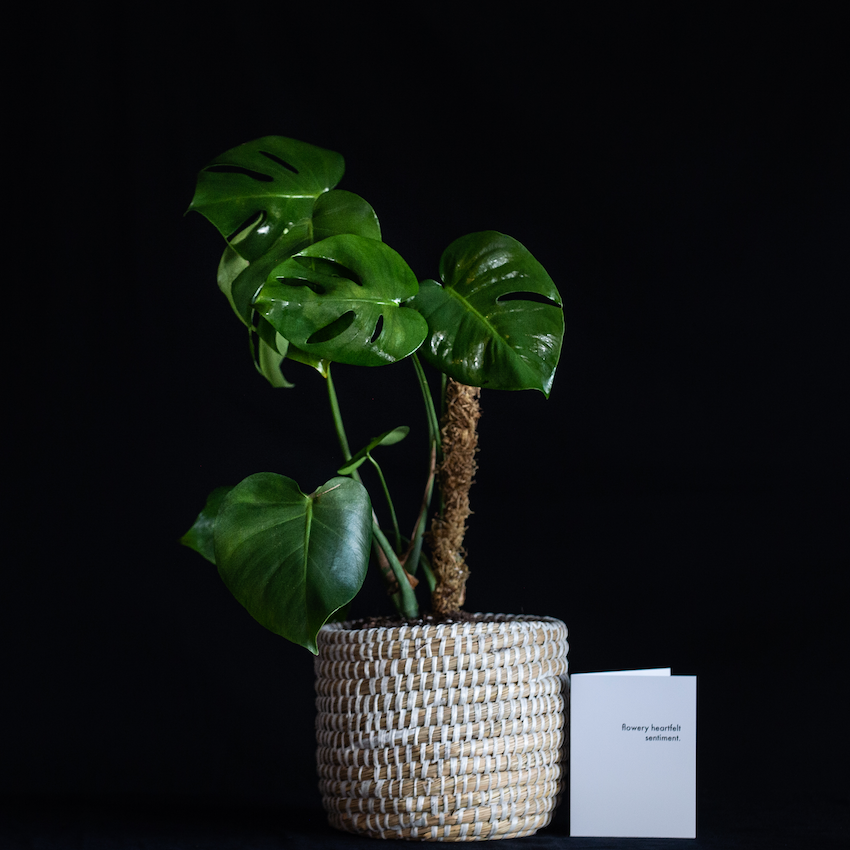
x,y
389,499
409,606
405,599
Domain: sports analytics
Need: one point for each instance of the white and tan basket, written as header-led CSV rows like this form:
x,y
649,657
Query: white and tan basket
x,y
442,732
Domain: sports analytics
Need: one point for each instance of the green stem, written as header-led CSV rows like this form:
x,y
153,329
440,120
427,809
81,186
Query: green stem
x,y
444,380
416,540
429,575
431,413
409,606
435,441
389,502
337,416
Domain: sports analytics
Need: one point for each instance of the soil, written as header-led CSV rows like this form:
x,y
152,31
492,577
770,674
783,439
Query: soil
x,y
428,619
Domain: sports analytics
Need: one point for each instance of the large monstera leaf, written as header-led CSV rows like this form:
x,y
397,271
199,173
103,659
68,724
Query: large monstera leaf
x,y
342,299
497,319
293,560
333,213
259,191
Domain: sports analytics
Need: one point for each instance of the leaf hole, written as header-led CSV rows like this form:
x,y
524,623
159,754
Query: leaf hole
x,y
242,231
378,328
238,169
334,329
299,281
281,162
536,297
329,267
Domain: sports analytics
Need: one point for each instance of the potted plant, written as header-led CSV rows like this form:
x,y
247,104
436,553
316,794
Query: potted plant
x,y
442,725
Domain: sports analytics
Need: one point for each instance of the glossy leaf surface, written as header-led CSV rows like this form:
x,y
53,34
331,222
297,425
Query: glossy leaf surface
x,y
343,212
268,357
333,213
200,536
497,320
388,438
341,300
270,349
293,560
256,192
240,280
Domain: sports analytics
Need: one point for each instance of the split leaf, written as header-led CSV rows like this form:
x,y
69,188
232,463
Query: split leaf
x,y
257,191
341,300
497,320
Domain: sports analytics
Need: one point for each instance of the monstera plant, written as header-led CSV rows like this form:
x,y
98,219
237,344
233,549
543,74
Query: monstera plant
x,y
306,272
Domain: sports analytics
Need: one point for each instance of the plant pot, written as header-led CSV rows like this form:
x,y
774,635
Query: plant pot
x,y
442,732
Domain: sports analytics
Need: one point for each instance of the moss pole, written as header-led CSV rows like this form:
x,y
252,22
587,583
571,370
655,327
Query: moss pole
x,y
455,475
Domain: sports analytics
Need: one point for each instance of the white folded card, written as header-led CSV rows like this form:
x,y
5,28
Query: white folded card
x,y
633,740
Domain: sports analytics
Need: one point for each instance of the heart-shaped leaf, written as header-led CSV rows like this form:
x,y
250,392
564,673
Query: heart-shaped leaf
x,y
255,192
200,536
388,438
341,300
293,560
497,321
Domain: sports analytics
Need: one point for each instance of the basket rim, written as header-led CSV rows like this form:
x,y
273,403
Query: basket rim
x,y
479,622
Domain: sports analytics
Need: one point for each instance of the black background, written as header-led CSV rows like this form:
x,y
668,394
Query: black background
x,y
681,171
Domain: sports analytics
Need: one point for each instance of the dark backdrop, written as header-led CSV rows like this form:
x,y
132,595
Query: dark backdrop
x,y
680,170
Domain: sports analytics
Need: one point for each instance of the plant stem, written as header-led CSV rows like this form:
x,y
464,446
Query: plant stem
x,y
434,441
337,417
389,502
405,599
431,413
409,606
415,550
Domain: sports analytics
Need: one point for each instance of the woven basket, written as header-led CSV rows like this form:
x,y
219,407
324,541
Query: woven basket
x,y
450,732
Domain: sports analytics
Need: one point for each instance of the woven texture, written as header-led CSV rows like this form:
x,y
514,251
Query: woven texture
x,y
450,732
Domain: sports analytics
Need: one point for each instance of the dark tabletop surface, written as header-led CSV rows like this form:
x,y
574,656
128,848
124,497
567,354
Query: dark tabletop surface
x,y
798,823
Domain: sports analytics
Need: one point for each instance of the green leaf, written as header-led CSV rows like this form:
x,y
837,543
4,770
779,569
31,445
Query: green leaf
x,y
271,337
333,213
497,321
256,192
344,212
388,438
342,300
341,615
241,280
299,356
200,536
230,267
277,344
293,560
268,363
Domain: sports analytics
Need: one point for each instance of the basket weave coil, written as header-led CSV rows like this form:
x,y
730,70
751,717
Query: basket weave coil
x,y
442,732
